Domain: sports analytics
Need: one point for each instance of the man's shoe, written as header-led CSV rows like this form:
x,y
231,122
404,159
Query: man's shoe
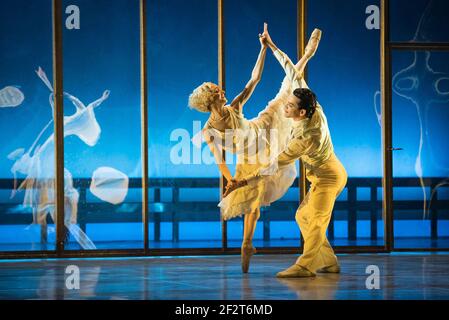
x,y
330,269
295,271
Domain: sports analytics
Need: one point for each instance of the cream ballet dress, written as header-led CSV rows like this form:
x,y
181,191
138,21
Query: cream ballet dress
x,y
255,141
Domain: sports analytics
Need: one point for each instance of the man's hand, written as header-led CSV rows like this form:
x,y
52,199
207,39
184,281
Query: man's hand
x,y
234,185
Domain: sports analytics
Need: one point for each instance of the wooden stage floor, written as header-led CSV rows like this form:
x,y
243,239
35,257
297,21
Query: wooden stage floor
x,y
402,276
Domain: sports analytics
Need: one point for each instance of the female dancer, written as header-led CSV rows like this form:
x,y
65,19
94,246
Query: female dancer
x,y
228,129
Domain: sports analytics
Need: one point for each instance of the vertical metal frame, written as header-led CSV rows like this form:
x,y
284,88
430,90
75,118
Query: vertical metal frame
x,y
222,84
301,22
58,116
385,89
301,45
144,120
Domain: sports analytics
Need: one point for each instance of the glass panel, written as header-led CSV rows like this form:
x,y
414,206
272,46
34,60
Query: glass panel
x,y
102,125
25,112
276,226
421,168
419,21
345,78
183,177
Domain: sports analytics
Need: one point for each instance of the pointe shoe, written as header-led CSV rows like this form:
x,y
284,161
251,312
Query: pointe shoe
x,y
312,45
295,271
335,268
247,253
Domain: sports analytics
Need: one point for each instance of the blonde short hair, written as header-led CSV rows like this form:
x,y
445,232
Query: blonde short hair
x,y
203,96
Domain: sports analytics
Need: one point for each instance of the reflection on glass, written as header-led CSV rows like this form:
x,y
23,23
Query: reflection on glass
x,y
26,163
421,169
37,164
101,64
11,97
420,83
424,21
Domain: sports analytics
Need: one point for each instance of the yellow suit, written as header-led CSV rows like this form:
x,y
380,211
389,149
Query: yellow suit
x,y
311,142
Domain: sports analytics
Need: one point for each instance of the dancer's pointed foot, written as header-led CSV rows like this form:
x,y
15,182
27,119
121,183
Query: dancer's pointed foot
x,y
313,43
247,252
335,268
295,271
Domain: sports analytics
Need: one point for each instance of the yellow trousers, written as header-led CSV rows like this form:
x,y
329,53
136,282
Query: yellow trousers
x,y
314,213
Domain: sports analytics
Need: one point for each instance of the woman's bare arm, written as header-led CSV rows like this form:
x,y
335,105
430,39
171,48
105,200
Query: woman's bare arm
x,y
219,159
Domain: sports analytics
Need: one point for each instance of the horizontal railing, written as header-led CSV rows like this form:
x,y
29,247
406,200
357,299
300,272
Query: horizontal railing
x,y
176,211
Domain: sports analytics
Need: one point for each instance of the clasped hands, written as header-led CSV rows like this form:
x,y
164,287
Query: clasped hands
x,y
264,38
234,185
312,45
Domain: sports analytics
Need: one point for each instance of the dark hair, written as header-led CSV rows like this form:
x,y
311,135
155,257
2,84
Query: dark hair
x,y
307,100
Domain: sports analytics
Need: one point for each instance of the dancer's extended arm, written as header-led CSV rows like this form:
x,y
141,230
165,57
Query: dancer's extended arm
x,y
256,76
219,159
297,147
